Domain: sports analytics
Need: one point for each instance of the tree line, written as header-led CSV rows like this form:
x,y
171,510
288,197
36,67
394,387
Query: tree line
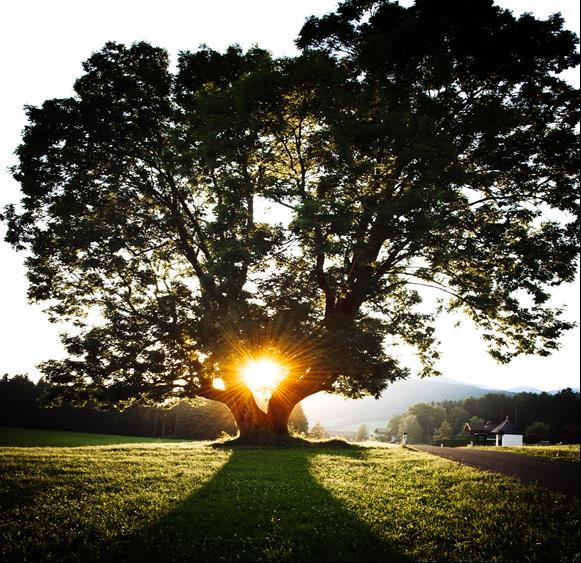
x,y
21,405
540,416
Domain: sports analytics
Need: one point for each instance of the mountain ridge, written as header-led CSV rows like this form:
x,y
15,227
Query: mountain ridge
x,y
339,414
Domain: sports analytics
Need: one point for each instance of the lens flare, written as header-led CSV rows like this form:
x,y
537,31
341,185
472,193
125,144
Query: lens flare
x,y
218,383
262,376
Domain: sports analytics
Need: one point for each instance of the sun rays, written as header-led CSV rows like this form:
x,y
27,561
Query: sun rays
x,y
262,376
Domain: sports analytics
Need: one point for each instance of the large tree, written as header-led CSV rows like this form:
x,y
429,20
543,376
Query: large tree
x,y
247,207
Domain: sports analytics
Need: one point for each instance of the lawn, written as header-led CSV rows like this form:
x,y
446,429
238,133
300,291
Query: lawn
x,y
192,501
563,452
28,437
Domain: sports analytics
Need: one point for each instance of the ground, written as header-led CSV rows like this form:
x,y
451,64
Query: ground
x,y
194,501
561,452
27,437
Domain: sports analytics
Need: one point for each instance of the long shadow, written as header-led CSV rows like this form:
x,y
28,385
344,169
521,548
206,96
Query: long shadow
x,y
263,505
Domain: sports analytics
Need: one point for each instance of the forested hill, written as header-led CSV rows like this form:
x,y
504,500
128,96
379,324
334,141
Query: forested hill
x,y
20,405
336,413
540,417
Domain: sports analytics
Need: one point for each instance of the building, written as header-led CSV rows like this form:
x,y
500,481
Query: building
x,y
481,432
507,434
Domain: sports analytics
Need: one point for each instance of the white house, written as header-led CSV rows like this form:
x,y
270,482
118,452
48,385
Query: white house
x,y
507,434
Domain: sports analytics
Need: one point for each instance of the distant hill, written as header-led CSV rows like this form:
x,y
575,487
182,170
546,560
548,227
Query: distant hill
x,y
555,391
336,413
527,389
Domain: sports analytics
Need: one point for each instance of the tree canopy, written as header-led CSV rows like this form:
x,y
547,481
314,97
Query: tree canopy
x,y
295,207
542,416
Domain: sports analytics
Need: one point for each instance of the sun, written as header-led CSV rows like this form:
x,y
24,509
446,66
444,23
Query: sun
x,y
262,377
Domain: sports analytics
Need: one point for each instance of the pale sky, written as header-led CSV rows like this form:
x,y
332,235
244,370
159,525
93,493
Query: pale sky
x,y
42,46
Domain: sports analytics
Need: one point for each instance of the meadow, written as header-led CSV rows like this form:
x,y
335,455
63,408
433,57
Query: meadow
x,y
23,437
195,501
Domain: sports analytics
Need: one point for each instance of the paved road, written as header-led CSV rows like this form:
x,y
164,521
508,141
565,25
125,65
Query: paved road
x,y
560,476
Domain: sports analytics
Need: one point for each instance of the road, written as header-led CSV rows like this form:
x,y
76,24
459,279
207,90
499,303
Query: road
x,y
562,476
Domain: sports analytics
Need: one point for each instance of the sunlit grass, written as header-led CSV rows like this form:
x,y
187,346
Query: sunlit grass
x,y
562,452
435,509
71,502
194,502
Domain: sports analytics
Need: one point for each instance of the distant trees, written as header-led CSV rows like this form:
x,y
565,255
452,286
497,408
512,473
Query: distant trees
x,y
445,432
200,420
475,420
298,422
457,417
429,418
318,431
194,420
542,416
362,434
537,432
406,423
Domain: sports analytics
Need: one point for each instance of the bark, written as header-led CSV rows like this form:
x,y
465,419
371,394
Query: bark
x,y
256,426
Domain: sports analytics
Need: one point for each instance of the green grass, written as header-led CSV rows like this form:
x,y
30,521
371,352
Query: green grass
x,y
190,501
30,437
566,452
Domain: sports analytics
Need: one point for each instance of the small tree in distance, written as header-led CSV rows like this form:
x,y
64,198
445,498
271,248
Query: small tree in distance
x,y
298,421
250,209
362,434
445,432
318,431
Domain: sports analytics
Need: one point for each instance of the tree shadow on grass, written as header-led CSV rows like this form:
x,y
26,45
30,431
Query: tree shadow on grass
x,y
263,505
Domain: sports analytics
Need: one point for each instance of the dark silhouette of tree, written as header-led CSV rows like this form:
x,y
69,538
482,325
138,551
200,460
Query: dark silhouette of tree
x,y
249,206
537,432
20,405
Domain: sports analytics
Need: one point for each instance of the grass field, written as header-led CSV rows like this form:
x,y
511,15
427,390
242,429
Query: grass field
x,y
191,501
564,452
27,437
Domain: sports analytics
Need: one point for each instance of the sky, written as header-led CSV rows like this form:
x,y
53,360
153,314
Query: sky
x,y
42,46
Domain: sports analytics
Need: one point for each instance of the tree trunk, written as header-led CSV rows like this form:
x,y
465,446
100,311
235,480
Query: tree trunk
x,y
258,427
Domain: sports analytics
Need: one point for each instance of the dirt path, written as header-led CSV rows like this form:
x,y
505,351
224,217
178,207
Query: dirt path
x,y
562,476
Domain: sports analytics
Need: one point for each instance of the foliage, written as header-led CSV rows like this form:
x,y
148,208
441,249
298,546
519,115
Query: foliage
x,y
410,425
318,431
560,412
537,432
298,422
403,148
362,434
19,406
176,502
457,417
445,432
429,417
